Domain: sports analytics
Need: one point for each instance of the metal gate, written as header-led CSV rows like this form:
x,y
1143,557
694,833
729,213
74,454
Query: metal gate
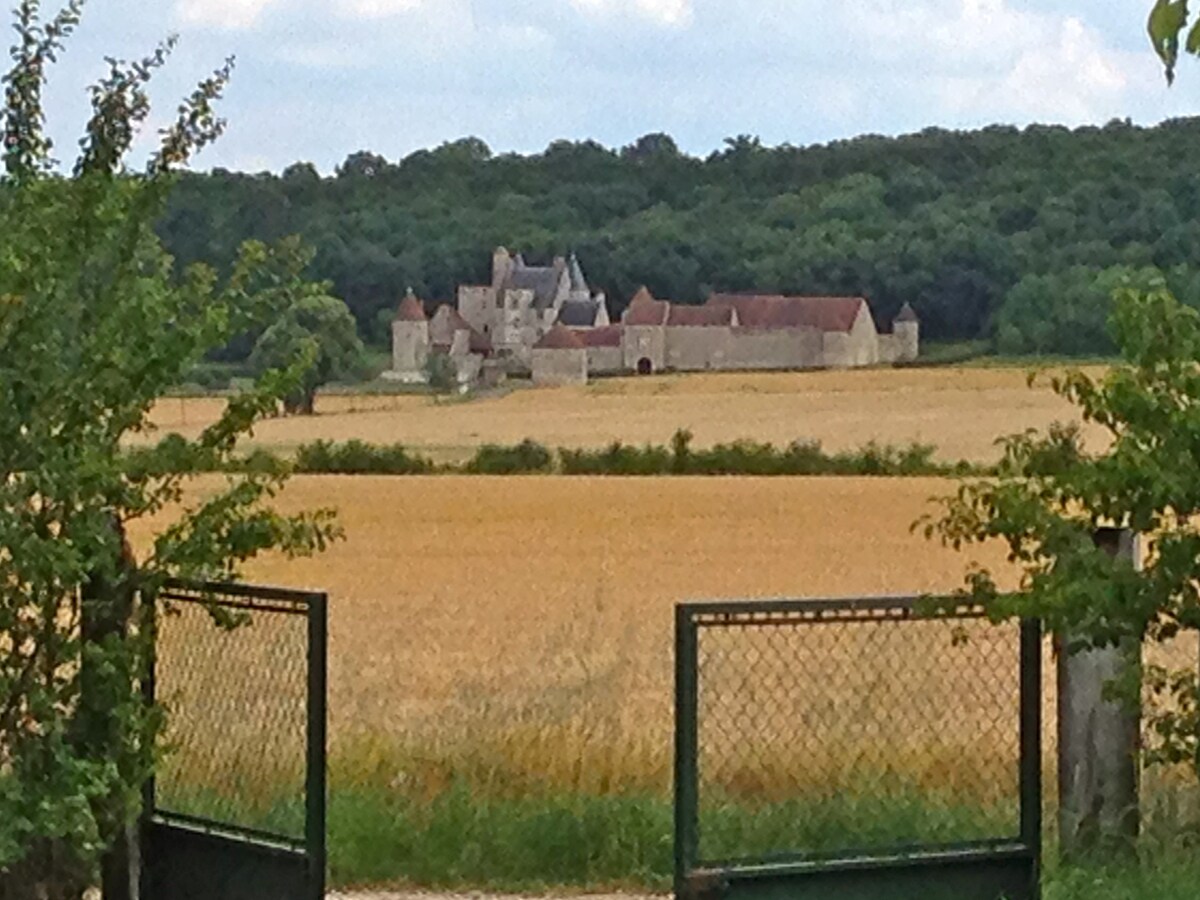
x,y
856,749
237,807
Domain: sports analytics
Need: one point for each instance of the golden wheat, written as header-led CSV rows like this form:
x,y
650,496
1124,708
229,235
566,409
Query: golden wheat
x,y
962,411
518,633
524,625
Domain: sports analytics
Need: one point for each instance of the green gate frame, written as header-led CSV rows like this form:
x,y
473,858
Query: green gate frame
x,y
1006,868
187,857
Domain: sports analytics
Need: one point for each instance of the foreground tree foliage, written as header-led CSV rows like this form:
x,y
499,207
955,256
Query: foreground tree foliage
x,y
1170,22
1053,493
95,323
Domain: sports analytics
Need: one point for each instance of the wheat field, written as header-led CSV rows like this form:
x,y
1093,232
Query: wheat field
x,y
961,411
515,635
527,622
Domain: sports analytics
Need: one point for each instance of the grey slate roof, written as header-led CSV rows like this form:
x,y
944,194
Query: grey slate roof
x,y
907,314
543,281
578,282
578,314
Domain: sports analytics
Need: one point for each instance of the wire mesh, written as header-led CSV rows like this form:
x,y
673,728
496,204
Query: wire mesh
x,y
236,701
831,736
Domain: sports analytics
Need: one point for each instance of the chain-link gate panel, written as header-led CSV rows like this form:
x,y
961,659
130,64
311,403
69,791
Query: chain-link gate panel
x,y
858,747
237,806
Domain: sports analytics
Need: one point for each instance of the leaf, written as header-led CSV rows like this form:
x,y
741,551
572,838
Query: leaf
x,y
1167,20
1193,41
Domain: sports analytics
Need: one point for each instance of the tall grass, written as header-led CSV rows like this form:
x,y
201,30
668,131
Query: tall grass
x,y
463,826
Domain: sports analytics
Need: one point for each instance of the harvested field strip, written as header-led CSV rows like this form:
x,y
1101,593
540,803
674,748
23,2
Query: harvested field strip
x,y
961,411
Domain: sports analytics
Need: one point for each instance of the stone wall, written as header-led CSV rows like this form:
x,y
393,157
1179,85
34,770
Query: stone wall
x,y
478,306
517,319
857,347
787,348
889,349
467,368
644,342
559,367
605,360
691,348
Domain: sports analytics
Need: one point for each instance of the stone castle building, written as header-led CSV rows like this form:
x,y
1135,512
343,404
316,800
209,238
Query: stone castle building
x,y
546,321
524,302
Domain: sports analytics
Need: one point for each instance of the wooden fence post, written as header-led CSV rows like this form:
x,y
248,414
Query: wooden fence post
x,y
1098,739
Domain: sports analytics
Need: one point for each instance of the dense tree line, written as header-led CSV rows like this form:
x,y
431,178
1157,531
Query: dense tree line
x,y
986,233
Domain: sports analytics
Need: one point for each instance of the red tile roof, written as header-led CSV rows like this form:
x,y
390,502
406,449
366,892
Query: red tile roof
x,y
608,336
701,315
411,309
771,311
645,310
559,338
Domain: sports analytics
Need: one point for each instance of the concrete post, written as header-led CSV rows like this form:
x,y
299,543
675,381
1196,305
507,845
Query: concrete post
x,y
1098,740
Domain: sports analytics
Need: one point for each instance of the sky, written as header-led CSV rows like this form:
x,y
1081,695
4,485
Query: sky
x,y
317,80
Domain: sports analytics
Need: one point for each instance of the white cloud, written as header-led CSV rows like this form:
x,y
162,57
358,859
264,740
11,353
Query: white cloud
x,y
664,12
985,56
376,9
225,14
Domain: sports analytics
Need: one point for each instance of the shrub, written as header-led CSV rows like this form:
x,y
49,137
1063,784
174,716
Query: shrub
x,y
527,457
358,458
616,459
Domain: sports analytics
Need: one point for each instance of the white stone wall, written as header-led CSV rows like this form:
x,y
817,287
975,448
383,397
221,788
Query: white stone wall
x,y
514,319
468,367
559,367
889,349
691,348
784,348
644,342
605,360
410,350
478,306
855,348
460,346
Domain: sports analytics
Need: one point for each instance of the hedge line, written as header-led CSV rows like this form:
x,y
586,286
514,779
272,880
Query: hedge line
x,y
679,458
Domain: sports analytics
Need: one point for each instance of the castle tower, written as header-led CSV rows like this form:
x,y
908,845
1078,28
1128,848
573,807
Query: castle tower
x,y
907,329
410,341
502,266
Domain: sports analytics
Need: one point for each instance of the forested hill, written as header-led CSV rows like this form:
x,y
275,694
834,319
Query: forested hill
x,y
1000,232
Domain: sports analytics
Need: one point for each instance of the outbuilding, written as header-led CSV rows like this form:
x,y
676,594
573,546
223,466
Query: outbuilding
x,y
559,358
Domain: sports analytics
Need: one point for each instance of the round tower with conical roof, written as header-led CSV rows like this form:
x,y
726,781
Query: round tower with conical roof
x,y
907,329
410,341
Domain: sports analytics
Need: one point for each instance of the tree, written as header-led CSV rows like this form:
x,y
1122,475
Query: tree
x,y
1053,494
95,324
362,164
320,326
1064,312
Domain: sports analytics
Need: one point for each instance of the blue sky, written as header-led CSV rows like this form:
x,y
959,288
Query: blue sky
x,y
319,79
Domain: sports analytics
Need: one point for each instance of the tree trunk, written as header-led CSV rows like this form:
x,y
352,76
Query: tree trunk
x,y
106,612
